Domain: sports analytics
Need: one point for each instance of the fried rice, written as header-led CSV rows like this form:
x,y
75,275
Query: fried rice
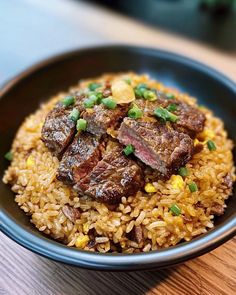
x,y
32,176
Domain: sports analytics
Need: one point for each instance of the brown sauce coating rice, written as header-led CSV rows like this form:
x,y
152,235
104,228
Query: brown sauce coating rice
x,y
32,176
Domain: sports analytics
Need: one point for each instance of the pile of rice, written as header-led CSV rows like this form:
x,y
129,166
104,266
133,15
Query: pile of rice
x,y
32,176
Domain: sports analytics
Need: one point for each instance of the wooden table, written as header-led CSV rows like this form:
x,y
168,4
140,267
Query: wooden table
x,y
57,25
23,272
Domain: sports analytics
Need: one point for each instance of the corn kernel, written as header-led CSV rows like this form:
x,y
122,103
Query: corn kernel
x,y
196,142
207,134
177,182
123,244
81,241
85,228
150,188
30,161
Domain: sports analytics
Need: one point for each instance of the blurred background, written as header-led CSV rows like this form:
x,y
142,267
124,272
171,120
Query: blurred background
x,y
32,30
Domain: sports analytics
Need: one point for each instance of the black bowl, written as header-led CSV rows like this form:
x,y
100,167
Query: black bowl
x,y
22,95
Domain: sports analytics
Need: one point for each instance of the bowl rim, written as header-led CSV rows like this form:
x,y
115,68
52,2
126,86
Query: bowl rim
x,y
46,247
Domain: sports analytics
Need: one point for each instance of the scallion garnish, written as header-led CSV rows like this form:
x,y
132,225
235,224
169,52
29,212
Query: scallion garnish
x,y
165,115
135,112
175,210
211,145
172,107
129,149
8,156
109,103
140,89
193,187
99,97
68,100
74,115
81,125
170,96
94,86
128,81
183,171
149,95
90,101
141,85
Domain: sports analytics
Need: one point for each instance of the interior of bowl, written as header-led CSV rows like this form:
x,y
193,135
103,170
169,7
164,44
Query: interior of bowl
x,y
24,94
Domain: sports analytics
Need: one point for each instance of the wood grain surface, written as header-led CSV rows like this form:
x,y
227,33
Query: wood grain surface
x,y
23,272
76,24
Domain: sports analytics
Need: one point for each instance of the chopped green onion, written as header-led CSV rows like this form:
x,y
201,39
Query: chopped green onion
x,y
170,96
90,101
109,103
173,118
129,149
175,210
161,113
193,187
74,115
8,156
128,81
201,106
135,112
165,115
211,145
138,92
68,100
99,97
81,125
183,171
94,86
172,107
93,97
149,95
141,85
140,89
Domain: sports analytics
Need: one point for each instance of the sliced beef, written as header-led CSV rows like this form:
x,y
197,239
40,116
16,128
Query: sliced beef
x,y
79,103
136,234
58,130
190,119
99,118
198,148
71,213
113,177
157,145
80,158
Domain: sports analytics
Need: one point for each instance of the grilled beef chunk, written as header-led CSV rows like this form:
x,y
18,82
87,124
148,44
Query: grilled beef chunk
x,y
217,209
190,119
80,158
187,218
228,180
79,103
99,119
136,234
113,177
71,213
157,145
58,130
